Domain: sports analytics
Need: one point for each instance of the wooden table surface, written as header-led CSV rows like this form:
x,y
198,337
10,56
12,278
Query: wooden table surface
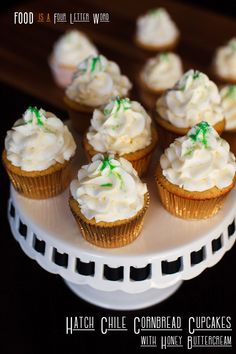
x,y
25,48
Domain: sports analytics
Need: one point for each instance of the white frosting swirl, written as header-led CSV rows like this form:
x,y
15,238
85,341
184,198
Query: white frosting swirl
x,y
38,140
97,81
108,189
193,99
156,28
225,60
199,160
228,101
163,71
122,127
72,48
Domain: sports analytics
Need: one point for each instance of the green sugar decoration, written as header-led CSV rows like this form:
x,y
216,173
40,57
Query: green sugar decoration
x,y
106,162
154,12
95,61
232,44
200,134
37,114
231,91
196,74
106,185
164,56
119,103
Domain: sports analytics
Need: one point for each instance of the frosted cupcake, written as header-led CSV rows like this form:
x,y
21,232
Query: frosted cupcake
x,y
159,74
228,101
94,84
122,128
38,154
72,48
196,173
193,99
224,64
109,201
156,31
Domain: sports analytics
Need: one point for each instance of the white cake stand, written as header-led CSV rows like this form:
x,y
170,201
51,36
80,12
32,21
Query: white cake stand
x,y
168,251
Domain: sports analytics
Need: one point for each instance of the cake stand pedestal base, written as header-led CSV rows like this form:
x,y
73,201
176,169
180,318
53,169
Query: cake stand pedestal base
x,y
120,300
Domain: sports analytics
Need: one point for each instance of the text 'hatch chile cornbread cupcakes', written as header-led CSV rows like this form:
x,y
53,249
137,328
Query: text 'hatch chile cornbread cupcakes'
x,y
69,50
122,128
156,31
224,63
196,173
228,101
94,84
38,154
109,201
193,99
158,74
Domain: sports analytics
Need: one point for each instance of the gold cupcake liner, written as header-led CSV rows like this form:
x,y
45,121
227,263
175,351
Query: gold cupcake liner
x,y
109,234
39,184
189,208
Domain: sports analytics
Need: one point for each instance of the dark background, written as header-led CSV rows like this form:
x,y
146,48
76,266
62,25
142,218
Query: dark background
x,y
34,303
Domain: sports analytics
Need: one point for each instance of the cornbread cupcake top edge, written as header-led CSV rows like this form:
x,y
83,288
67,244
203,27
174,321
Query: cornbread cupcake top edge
x,y
108,189
194,98
96,81
122,127
38,140
199,160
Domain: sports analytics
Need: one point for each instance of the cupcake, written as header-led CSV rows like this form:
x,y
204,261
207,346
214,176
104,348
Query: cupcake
x,y
195,173
156,31
228,101
158,74
122,128
109,201
94,84
193,99
72,48
224,63
38,154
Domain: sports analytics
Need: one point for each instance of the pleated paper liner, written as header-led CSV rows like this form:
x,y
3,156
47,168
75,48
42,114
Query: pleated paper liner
x,y
109,234
139,159
168,132
40,184
193,205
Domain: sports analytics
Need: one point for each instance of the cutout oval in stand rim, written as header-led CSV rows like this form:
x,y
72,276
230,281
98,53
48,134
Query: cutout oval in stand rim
x,y
22,229
139,274
60,259
198,256
113,274
39,245
84,268
231,228
171,267
216,244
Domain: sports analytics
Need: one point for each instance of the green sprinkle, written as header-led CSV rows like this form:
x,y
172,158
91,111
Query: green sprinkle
x,y
119,178
119,103
201,131
164,56
196,75
106,163
231,91
95,61
37,114
232,44
154,12
106,185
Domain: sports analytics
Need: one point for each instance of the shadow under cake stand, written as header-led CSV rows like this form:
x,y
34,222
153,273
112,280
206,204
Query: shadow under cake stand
x,y
146,272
